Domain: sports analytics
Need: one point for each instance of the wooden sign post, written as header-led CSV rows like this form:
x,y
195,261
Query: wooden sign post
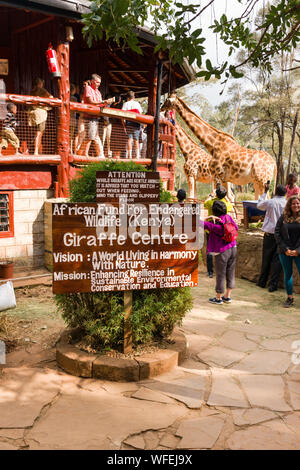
x,y
127,343
115,247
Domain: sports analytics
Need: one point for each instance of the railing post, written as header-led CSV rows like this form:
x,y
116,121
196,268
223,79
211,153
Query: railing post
x,y
173,158
63,137
157,115
151,109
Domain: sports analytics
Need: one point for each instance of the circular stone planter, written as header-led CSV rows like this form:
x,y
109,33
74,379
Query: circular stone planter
x,y
6,269
83,364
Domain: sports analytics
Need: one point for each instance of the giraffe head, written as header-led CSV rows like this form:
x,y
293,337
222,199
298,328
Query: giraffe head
x,y
170,102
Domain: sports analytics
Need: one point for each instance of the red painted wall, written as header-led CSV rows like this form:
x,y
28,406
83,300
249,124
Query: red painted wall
x,y
25,179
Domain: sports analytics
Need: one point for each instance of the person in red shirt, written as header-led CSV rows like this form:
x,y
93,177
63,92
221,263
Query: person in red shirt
x,y
291,187
93,96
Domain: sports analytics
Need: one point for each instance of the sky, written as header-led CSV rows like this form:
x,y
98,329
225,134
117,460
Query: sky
x,y
217,50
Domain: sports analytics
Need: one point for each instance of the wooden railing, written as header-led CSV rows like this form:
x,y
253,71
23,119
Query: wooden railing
x,y
167,138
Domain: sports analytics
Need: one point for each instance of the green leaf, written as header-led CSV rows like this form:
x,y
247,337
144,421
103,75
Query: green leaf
x,y
208,64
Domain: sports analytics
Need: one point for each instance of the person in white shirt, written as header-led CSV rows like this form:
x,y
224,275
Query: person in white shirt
x,y
270,259
132,128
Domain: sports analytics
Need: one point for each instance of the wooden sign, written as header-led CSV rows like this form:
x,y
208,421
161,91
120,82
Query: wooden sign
x,y
127,186
110,247
110,112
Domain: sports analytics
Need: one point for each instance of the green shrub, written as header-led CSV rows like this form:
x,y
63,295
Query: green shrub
x,y
100,316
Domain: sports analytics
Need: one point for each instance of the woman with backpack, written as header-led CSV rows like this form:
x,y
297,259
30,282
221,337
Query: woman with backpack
x,y
222,244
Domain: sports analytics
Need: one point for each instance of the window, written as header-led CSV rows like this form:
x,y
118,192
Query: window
x,y
6,214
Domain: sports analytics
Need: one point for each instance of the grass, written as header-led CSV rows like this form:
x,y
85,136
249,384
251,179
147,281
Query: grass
x,y
239,197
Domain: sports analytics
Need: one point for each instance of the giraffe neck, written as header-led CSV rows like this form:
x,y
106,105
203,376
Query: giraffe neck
x,y
184,141
210,137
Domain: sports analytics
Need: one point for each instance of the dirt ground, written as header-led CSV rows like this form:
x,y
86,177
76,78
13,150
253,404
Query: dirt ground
x,y
35,324
238,388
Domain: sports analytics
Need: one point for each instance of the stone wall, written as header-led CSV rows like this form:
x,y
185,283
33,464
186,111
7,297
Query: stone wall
x,y
249,258
26,247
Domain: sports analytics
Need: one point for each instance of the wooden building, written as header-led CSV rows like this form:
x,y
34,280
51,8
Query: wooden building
x,y
26,181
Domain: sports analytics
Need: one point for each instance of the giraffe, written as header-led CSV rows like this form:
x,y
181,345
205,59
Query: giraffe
x,y
230,162
196,166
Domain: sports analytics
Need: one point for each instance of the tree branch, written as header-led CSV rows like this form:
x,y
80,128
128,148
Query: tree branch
x,y
201,11
253,52
289,70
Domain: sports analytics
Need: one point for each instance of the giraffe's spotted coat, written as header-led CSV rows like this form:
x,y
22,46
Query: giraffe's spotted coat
x,y
230,162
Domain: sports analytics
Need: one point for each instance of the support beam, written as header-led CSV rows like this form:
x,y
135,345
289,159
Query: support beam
x,y
63,137
33,25
157,113
136,87
127,71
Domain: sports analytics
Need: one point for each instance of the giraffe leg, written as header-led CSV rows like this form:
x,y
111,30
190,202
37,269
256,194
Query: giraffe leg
x,y
230,194
258,189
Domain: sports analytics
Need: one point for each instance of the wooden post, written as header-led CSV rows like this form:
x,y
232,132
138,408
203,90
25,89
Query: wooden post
x,y
63,137
157,115
151,108
127,345
246,220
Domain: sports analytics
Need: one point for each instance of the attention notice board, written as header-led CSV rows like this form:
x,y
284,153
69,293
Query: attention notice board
x,y
117,247
127,186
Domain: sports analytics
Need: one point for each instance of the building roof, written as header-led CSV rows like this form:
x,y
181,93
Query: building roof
x,y
74,9
68,8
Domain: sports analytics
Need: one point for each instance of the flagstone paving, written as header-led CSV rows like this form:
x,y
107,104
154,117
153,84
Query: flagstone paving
x,y
238,388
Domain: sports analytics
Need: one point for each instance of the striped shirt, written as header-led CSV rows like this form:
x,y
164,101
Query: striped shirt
x,y
10,121
95,95
92,93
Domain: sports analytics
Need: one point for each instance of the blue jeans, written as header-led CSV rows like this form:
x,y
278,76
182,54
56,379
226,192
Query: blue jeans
x,y
287,265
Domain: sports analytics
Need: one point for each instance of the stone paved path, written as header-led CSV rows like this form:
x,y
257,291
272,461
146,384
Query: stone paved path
x,y
237,389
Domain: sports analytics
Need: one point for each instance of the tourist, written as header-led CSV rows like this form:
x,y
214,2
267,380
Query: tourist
x,y
287,234
118,133
224,251
37,115
132,128
221,194
8,129
291,187
93,96
143,141
270,259
169,114
181,195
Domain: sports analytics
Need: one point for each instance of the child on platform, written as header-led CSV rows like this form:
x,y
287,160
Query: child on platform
x,y
8,129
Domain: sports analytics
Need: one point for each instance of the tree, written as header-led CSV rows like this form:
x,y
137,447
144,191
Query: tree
x,y
269,113
173,22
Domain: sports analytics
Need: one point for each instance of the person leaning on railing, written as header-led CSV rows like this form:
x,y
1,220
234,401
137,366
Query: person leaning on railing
x,y
132,128
37,115
8,129
93,96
